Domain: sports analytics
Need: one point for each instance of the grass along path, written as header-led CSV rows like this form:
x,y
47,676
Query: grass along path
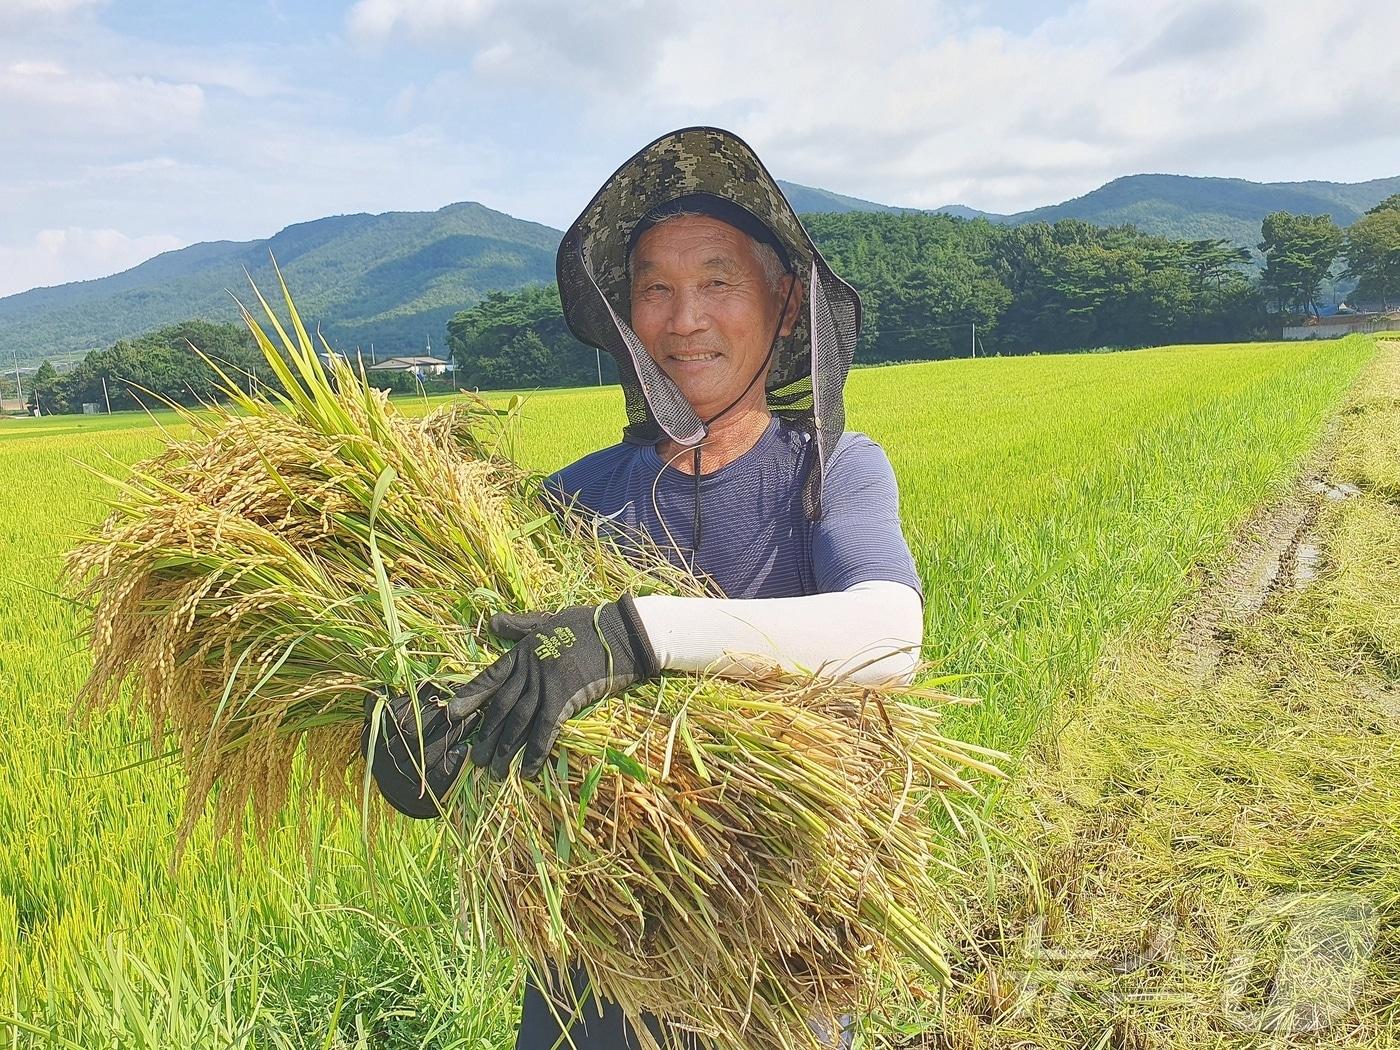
x,y
1051,502
1214,843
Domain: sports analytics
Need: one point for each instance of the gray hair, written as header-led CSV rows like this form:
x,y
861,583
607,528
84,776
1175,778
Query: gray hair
x,y
766,257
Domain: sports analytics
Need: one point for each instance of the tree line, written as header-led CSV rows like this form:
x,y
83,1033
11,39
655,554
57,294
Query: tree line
x,y
925,279
1299,251
162,366
143,371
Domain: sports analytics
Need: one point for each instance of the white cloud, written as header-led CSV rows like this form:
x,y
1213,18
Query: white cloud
x,y
211,70
75,254
597,45
28,12
41,97
43,7
901,102
425,20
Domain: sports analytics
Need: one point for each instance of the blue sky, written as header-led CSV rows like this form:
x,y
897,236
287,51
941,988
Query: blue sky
x,y
132,127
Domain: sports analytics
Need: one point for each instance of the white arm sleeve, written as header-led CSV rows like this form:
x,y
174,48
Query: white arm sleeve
x,y
869,633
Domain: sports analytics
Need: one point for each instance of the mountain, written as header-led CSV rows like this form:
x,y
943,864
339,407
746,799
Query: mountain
x,y
1190,207
962,211
806,199
810,199
392,280
1182,206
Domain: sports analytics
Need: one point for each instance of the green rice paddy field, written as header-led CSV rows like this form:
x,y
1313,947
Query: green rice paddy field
x,y
1053,503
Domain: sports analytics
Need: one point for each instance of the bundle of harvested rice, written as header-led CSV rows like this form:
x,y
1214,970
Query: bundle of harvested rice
x,y
736,858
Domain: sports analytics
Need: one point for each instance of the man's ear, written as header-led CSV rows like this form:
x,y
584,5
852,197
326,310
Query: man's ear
x,y
794,304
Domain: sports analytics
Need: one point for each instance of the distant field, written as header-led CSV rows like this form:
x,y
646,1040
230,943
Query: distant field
x,y
1050,501
12,427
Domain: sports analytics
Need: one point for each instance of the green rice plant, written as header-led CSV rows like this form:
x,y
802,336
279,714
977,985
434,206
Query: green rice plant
x,y
738,858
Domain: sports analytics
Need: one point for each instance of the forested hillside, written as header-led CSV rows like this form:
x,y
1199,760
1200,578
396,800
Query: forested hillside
x,y
1183,207
391,279
1187,207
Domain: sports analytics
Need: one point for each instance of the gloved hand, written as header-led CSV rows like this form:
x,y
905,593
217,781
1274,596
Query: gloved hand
x,y
402,767
563,662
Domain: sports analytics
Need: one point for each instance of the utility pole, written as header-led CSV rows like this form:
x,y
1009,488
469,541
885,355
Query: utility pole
x,y
974,338
372,361
106,395
19,387
599,355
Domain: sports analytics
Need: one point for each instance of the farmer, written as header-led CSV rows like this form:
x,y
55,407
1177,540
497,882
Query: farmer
x,y
733,339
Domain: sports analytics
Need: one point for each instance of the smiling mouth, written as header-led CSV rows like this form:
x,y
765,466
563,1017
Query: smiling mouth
x,y
705,356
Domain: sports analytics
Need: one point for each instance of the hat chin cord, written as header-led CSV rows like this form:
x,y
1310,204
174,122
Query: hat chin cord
x,y
695,463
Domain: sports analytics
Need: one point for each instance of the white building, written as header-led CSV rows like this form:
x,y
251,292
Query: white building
x,y
420,365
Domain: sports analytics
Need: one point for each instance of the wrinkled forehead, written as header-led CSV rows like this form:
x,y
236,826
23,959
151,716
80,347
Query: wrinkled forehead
x,y
698,243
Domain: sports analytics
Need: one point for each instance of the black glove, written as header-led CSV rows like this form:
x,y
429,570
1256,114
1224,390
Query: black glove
x,y
564,661
402,767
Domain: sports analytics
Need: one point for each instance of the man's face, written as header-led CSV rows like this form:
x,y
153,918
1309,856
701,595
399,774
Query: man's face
x,y
703,308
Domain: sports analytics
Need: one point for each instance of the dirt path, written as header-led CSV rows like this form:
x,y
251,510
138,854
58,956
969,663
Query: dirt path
x,y
1276,551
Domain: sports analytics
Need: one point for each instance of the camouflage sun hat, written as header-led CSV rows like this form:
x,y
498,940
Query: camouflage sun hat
x,y
808,375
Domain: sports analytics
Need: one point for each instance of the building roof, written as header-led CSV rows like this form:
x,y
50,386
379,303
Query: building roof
x,y
411,361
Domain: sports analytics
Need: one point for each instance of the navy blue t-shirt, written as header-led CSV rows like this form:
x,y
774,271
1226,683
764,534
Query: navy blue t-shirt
x,y
756,541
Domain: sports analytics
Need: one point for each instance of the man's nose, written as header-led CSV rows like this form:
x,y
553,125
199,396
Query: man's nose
x,y
688,313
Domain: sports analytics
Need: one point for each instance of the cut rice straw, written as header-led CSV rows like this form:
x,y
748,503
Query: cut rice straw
x,y
737,858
